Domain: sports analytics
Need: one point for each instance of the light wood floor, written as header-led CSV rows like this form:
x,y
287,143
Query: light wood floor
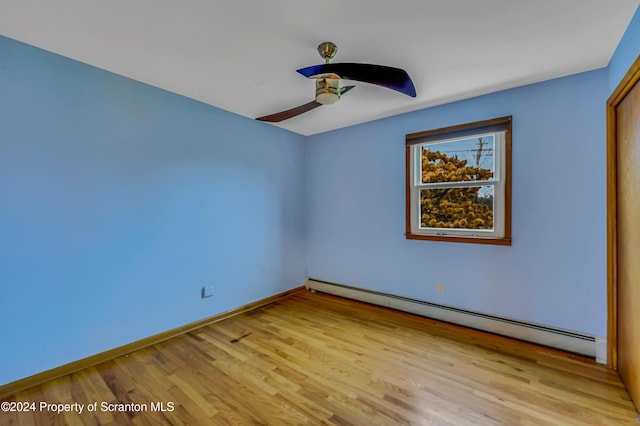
x,y
318,359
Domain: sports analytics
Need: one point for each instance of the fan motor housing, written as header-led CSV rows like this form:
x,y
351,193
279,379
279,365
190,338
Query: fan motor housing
x,y
328,90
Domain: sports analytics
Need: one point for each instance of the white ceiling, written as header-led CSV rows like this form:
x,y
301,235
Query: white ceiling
x,y
242,55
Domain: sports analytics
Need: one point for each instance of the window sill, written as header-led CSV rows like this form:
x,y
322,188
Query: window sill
x,y
452,239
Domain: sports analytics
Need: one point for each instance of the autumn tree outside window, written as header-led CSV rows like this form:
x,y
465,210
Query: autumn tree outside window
x,y
459,183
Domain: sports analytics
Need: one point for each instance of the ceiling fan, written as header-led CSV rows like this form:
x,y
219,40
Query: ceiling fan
x,y
328,77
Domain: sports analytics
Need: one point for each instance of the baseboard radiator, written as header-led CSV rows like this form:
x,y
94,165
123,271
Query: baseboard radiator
x,y
570,341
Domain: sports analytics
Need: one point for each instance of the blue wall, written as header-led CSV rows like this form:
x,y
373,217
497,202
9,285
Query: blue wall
x,y
626,53
119,201
555,271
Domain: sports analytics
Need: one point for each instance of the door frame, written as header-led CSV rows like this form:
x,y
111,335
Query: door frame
x,y
624,87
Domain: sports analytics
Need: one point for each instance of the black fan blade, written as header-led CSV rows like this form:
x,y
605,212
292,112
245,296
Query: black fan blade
x,y
290,113
389,77
345,89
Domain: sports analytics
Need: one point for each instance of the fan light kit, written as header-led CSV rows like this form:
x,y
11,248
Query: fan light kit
x,y
328,90
328,77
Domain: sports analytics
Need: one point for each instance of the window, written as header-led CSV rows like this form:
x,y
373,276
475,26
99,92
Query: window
x,y
459,183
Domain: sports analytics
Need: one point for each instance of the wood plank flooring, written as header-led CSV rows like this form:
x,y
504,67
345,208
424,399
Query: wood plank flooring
x,y
318,359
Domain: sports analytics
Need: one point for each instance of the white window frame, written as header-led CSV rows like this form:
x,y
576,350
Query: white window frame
x,y
500,234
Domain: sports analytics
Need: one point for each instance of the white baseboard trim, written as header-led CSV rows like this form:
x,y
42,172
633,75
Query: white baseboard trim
x,y
571,341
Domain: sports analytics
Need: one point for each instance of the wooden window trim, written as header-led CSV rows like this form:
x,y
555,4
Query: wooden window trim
x,y
495,124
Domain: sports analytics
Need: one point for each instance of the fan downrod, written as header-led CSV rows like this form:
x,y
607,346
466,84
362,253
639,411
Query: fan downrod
x,y
327,50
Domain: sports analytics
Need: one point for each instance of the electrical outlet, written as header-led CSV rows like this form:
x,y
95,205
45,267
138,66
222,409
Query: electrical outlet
x,y
207,291
440,288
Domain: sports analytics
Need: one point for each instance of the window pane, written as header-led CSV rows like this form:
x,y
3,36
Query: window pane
x,y
461,208
458,161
